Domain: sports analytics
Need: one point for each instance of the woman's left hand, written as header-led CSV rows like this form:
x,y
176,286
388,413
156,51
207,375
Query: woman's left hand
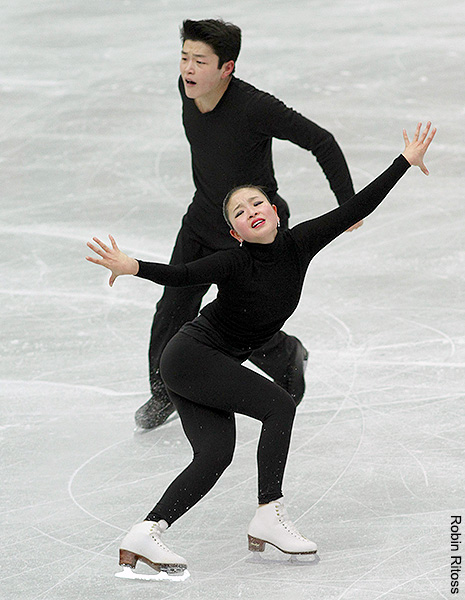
x,y
415,150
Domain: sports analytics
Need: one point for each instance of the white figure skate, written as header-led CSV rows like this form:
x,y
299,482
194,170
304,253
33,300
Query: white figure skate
x,y
271,525
143,543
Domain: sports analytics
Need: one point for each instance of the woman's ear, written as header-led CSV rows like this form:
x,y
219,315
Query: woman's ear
x,y
276,211
236,236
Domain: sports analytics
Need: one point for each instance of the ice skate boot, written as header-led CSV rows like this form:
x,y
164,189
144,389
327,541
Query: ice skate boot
x,y
143,544
271,525
156,410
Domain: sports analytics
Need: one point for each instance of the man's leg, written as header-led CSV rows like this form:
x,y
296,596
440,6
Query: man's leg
x,y
284,359
176,307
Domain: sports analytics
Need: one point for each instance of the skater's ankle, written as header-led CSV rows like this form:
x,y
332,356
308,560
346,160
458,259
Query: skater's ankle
x,y
162,524
280,499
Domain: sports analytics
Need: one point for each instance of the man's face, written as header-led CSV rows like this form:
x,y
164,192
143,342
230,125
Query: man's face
x,y
199,69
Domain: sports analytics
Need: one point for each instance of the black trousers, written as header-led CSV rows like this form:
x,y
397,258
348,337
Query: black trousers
x,y
208,386
180,305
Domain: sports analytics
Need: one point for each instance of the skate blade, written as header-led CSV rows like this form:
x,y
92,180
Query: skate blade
x,y
257,545
129,573
294,561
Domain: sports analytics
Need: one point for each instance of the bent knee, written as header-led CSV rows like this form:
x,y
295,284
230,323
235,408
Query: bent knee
x,y
291,408
284,406
217,458
224,458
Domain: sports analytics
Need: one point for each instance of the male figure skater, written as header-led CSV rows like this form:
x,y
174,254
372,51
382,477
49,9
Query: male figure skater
x,y
230,126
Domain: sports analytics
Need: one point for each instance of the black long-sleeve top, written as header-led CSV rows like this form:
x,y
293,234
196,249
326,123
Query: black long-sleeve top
x,y
259,285
232,145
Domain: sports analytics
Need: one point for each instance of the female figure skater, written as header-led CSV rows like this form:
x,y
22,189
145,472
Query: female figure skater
x,y
259,286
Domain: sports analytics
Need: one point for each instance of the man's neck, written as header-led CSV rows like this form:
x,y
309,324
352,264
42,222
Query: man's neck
x,y
209,101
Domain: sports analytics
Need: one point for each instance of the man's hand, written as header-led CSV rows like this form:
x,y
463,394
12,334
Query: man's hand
x,y
356,226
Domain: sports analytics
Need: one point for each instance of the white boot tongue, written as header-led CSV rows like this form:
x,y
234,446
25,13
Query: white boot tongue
x,y
163,525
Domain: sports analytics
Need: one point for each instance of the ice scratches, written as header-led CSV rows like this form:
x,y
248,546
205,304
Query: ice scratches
x,y
345,328
230,567
347,398
72,573
74,546
59,385
63,559
417,460
424,575
409,404
431,582
408,488
113,300
383,562
347,466
161,153
77,235
440,333
77,471
105,487
293,561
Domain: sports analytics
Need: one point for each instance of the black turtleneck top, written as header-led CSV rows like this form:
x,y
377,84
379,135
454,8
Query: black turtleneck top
x,y
259,285
232,145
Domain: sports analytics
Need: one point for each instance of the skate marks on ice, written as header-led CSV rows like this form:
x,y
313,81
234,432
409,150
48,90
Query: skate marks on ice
x,y
423,575
278,558
378,449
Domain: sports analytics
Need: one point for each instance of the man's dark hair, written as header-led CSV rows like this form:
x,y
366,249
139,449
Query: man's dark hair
x,y
224,38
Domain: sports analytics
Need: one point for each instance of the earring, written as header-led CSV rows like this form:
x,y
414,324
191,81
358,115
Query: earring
x,y
279,223
240,245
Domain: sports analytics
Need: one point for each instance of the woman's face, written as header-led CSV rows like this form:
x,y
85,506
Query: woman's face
x,y
252,217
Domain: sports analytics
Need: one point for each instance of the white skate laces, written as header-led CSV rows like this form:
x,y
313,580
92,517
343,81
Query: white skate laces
x,y
272,525
143,544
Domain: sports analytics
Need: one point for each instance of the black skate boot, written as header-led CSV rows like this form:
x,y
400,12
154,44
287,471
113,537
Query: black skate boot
x,y
293,380
156,410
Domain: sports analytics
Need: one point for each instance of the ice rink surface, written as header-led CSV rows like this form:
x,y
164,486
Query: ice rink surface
x,y
91,143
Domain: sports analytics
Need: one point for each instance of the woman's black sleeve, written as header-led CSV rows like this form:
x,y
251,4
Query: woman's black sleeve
x,y
315,234
212,269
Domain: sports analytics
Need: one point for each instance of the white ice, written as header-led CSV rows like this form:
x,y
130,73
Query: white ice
x,y
91,143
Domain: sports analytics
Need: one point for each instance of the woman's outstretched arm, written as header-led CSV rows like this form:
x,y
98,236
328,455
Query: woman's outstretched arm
x,y
214,268
318,232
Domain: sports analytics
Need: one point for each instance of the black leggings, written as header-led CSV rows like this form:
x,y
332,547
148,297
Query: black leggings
x,y
208,386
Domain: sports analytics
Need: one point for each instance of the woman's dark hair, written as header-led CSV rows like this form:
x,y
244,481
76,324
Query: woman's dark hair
x,y
232,192
224,38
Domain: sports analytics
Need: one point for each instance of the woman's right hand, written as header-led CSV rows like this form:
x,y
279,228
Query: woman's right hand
x,y
113,259
415,150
